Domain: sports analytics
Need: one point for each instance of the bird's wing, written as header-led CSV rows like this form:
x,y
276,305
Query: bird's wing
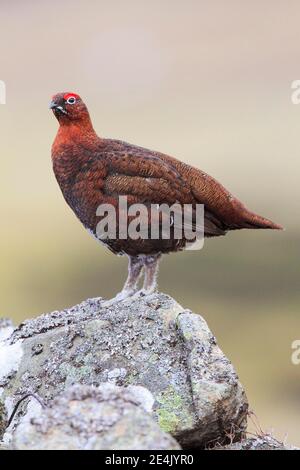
x,y
144,177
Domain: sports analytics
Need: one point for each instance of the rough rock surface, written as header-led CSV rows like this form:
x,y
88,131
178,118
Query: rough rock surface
x,y
151,341
264,442
85,417
6,329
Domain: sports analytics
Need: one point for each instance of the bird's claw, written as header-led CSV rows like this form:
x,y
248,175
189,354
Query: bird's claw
x,y
120,297
124,296
142,293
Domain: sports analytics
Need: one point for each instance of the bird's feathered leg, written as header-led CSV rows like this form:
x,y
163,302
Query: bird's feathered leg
x,y
151,265
135,266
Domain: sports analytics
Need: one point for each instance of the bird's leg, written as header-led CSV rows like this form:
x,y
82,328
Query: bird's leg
x,y
151,264
135,266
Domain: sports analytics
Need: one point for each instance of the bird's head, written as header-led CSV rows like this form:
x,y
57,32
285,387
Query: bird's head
x,y
68,107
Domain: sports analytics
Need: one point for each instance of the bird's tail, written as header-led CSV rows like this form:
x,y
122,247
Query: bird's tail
x,y
255,221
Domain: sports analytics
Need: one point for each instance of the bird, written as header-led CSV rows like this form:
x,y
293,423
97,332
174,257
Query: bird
x,y
93,171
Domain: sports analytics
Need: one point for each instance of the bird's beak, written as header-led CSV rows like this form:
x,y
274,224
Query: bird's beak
x,y
52,105
56,107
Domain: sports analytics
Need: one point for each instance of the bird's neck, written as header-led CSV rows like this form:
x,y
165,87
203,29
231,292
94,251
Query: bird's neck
x,y
76,131
71,148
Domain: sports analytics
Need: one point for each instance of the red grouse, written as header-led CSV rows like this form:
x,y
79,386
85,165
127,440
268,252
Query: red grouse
x,y
92,171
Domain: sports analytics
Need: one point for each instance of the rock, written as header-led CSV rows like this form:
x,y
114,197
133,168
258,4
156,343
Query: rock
x,y
3,419
264,442
151,341
6,329
89,418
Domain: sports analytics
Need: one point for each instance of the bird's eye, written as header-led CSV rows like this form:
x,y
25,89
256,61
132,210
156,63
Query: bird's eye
x,y
71,100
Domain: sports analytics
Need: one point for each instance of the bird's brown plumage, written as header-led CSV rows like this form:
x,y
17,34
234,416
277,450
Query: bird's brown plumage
x,y
92,171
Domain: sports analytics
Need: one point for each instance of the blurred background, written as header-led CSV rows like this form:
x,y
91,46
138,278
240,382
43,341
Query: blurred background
x,y
207,82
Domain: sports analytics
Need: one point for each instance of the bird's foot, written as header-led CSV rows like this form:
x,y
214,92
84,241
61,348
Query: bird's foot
x,y
123,295
142,293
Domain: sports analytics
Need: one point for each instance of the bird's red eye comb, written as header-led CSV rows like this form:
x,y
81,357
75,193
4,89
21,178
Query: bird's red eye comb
x,y
70,95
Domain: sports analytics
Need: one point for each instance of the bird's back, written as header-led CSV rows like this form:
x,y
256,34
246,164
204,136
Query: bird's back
x,y
228,212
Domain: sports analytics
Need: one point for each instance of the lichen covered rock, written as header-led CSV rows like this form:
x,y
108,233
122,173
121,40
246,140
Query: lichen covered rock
x,y
94,418
3,419
263,442
151,341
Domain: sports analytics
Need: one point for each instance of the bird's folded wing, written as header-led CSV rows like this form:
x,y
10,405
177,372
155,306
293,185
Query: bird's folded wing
x,y
150,180
145,175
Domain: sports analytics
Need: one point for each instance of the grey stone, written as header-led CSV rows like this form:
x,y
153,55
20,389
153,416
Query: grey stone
x,y
93,418
3,419
6,329
264,442
151,341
